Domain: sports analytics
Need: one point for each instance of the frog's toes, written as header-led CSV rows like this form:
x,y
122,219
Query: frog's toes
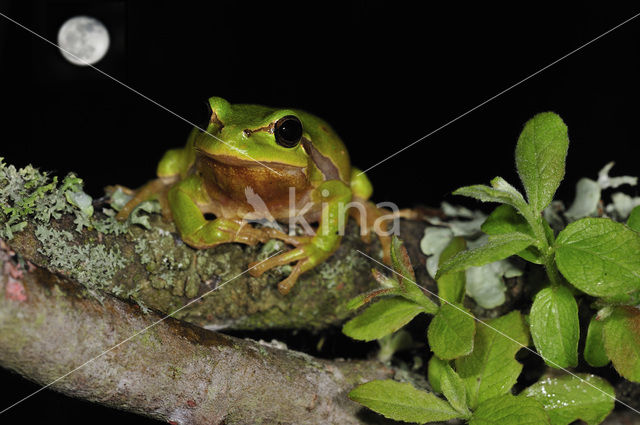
x,y
257,268
113,188
291,240
307,256
285,285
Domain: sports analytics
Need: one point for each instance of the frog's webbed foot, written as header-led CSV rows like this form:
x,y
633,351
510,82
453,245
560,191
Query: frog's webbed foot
x,y
155,189
307,256
369,218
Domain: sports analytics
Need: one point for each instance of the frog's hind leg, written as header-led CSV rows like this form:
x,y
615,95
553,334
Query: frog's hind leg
x,y
367,214
155,189
369,218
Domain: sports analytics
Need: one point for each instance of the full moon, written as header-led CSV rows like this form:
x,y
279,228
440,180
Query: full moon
x,y
83,40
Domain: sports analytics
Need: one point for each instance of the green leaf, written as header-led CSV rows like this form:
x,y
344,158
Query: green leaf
x,y
451,286
540,157
568,398
622,341
491,369
454,390
506,219
404,271
500,191
402,264
498,247
600,257
382,318
594,352
403,402
435,369
510,410
634,219
451,332
555,328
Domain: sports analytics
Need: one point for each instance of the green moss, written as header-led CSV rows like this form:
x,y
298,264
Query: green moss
x,y
148,339
175,372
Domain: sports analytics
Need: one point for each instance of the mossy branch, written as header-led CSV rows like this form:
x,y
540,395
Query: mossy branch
x,y
75,283
58,227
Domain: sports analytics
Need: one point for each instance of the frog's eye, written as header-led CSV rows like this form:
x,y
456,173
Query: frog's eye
x,y
288,131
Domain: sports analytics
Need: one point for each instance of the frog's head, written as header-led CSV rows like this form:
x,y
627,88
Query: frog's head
x,y
240,134
247,135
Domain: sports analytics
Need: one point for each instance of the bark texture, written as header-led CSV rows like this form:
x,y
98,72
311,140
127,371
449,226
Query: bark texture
x,y
154,268
173,371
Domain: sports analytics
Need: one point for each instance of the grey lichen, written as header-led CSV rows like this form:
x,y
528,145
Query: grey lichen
x,y
92,265
170,265
29,194
26,193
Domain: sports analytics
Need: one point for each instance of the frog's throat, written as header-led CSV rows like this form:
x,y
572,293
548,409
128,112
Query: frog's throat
x,y
227,184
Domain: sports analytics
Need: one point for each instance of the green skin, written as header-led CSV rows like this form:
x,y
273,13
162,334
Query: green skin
x,y
247,132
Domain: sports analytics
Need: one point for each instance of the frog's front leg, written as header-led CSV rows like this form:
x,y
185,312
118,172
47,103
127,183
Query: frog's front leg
x,y
155,189
334,196
199,232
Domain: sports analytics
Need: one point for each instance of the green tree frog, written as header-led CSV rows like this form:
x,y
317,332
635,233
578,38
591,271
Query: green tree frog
x,y
289,163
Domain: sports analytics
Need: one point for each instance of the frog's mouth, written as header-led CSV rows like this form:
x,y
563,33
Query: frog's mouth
x,y
248,162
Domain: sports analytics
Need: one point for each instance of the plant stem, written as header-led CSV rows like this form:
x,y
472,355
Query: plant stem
x,y
552,270
547,251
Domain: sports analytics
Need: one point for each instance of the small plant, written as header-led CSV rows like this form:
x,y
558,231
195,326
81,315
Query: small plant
x,y
473,364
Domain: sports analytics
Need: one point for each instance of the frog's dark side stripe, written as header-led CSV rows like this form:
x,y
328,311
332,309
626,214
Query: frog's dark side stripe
x,y
324,164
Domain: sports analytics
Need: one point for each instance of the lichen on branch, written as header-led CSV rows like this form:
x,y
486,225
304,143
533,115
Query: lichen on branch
x,y
55,225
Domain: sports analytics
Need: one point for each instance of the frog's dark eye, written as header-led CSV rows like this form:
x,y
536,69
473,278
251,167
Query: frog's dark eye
x,y
288,131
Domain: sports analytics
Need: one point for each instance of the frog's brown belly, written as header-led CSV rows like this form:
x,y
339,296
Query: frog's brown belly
x,y
253,191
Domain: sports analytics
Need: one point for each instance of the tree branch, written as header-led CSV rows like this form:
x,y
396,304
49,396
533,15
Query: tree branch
x,y
53,225
173,371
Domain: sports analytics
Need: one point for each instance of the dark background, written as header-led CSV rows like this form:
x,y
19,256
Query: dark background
x,y
383,73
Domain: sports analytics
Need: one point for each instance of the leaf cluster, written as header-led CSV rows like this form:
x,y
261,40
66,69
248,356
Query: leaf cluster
x,y
473,363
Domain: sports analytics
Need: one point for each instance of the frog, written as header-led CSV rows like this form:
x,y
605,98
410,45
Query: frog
x,y
290,160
